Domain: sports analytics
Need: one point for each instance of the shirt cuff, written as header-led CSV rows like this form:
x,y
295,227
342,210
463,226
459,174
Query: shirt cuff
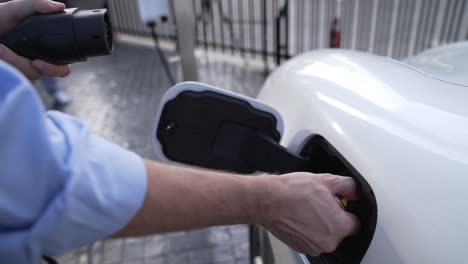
x,y
105,189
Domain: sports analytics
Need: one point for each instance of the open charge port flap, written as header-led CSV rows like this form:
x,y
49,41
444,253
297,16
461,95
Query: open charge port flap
x,y
324,158
218,131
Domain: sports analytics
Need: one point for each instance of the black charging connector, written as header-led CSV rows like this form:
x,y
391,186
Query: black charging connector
x,y
63,38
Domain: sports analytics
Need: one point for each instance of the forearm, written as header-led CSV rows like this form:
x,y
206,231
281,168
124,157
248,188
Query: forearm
x,y
180,198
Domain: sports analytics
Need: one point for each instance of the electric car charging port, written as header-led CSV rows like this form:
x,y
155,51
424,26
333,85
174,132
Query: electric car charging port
x,y
324,158
208,127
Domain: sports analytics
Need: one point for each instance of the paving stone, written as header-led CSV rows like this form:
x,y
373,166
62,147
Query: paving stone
x,y
219,254
133,248
156,260
112,250
155,245
181,258
243,261
239,232
201,256
133,261
241,250
222,254
219,235
96,252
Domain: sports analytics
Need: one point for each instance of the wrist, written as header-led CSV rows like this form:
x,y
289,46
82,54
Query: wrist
x,y
265,190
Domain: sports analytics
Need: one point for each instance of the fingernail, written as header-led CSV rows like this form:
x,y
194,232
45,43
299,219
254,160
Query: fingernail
x,y
55,4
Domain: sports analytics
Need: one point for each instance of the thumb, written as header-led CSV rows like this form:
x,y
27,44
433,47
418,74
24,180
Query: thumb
x,y
13,12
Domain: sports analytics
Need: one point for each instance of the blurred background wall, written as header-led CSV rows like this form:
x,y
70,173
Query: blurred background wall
x,y
274,30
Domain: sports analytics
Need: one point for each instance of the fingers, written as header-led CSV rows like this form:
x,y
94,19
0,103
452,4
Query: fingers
x,y
343,186
51,70
310,218
33,70
350,224
13,12
21,63
347,225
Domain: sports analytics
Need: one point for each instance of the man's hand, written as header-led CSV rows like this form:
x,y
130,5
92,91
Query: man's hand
x,y
303,210
11,14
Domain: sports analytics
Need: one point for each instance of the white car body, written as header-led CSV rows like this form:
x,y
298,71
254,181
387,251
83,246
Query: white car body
x,y
403,126
399,129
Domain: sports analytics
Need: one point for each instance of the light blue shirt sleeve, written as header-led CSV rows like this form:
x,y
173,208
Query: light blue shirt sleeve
x,y
61,187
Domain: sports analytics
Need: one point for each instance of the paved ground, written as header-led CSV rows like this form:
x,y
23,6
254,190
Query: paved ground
x,y
118,96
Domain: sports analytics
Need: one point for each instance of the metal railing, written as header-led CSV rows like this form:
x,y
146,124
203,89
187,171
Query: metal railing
x,y
274,30
395,28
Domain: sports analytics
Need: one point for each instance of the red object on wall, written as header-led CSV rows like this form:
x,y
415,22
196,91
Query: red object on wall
x,y
335,34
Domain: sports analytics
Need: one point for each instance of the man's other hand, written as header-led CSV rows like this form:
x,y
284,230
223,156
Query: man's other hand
x,y
11,14
303,210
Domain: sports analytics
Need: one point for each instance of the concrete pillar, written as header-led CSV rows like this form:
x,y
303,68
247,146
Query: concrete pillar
x,y
185,24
